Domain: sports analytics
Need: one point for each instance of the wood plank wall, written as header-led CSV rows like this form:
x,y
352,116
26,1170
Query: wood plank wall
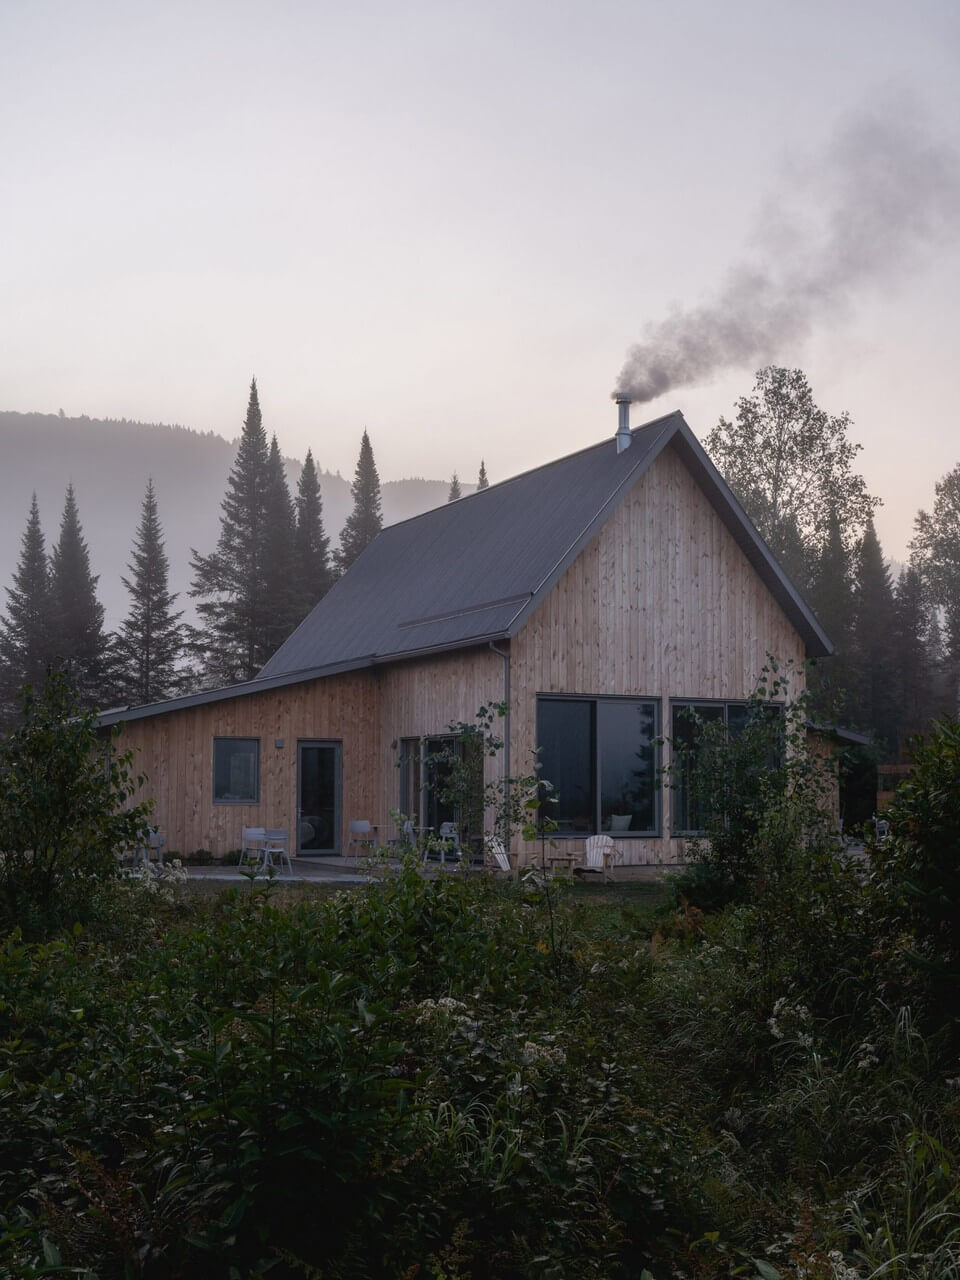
x,y
175,751
423,697
663,603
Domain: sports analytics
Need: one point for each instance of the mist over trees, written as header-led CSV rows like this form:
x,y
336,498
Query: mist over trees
x,y
791,465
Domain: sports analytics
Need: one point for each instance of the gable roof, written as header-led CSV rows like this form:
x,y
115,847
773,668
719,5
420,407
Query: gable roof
x,y
472,571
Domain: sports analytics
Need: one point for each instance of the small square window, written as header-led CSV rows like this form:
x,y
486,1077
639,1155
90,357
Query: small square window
x,y
236,770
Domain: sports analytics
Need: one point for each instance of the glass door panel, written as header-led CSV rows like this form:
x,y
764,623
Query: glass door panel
x,y
318,797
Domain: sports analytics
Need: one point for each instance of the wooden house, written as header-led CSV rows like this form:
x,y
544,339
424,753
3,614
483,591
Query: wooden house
x,y
596,596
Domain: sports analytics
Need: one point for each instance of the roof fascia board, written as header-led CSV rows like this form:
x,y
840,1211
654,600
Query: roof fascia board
x,y
727,506
650,453
123,714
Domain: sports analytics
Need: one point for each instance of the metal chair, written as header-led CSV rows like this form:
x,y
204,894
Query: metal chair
x,y
252,842
276,844
362,835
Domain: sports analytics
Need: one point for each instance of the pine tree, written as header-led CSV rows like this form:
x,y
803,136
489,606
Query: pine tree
x,y
279,553
830,595
230,584
150,641
313,573
455,492
365,520
482,481
26,631
79,643
912,671
872,648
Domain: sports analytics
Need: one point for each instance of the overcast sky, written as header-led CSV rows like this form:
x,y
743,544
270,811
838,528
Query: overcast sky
x,y
448,221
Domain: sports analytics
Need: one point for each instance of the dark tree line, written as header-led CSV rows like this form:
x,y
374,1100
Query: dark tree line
x,y
897,661
271,565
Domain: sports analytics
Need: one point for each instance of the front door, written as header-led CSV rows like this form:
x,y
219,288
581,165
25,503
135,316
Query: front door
x,y
318,797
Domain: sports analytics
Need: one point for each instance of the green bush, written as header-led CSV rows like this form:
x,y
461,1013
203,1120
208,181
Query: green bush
x,y
64,818
917,872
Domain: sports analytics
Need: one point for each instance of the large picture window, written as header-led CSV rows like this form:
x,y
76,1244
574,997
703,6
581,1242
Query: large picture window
x,y
689,721
601,756
236,770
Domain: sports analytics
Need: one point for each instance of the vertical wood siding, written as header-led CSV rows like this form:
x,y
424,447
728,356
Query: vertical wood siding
x,y
175,751
663,604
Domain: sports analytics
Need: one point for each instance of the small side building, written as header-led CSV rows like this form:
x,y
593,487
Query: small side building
x,y
595,596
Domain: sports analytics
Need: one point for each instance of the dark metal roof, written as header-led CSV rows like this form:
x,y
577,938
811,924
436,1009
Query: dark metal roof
x,y
473,570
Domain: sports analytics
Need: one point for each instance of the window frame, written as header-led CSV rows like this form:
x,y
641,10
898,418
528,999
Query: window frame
x,y
654,833
234,738
677,798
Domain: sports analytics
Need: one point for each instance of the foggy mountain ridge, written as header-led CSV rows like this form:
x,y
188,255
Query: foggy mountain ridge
x,y
109,462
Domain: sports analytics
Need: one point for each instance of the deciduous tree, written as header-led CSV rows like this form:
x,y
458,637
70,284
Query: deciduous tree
x,y
366,519
791,465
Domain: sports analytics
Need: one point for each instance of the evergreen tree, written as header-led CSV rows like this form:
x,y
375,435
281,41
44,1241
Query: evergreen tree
x,y
936,552
230,584
365,520
455,492
830,595
26,632
150,641
912,672
313,572
79,643
482,481
872,648
279,554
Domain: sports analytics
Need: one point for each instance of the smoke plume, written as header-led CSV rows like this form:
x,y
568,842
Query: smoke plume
x,y
860,215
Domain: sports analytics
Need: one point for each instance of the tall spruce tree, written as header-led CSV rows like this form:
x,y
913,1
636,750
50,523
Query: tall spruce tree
x,y
79,643
455,491
150,641
830,595
482,481
26,633
314,575
935,550
279,553
912,671
230,584
872,648
366,519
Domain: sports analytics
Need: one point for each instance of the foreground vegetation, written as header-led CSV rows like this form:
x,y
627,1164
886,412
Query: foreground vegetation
x,y
458,1078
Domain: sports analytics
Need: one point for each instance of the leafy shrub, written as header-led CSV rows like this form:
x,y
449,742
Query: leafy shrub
x,y
917,870
63,815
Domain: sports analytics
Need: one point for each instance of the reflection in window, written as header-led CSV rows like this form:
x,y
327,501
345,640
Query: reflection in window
x,y
236,770
601,756
689,720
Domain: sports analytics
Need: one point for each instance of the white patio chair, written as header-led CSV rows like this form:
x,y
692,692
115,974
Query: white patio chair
x,y
251,845
362,836
599,856
497,858
276,844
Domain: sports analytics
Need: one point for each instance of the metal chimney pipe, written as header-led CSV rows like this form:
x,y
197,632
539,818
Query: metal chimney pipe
x,y
624,438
